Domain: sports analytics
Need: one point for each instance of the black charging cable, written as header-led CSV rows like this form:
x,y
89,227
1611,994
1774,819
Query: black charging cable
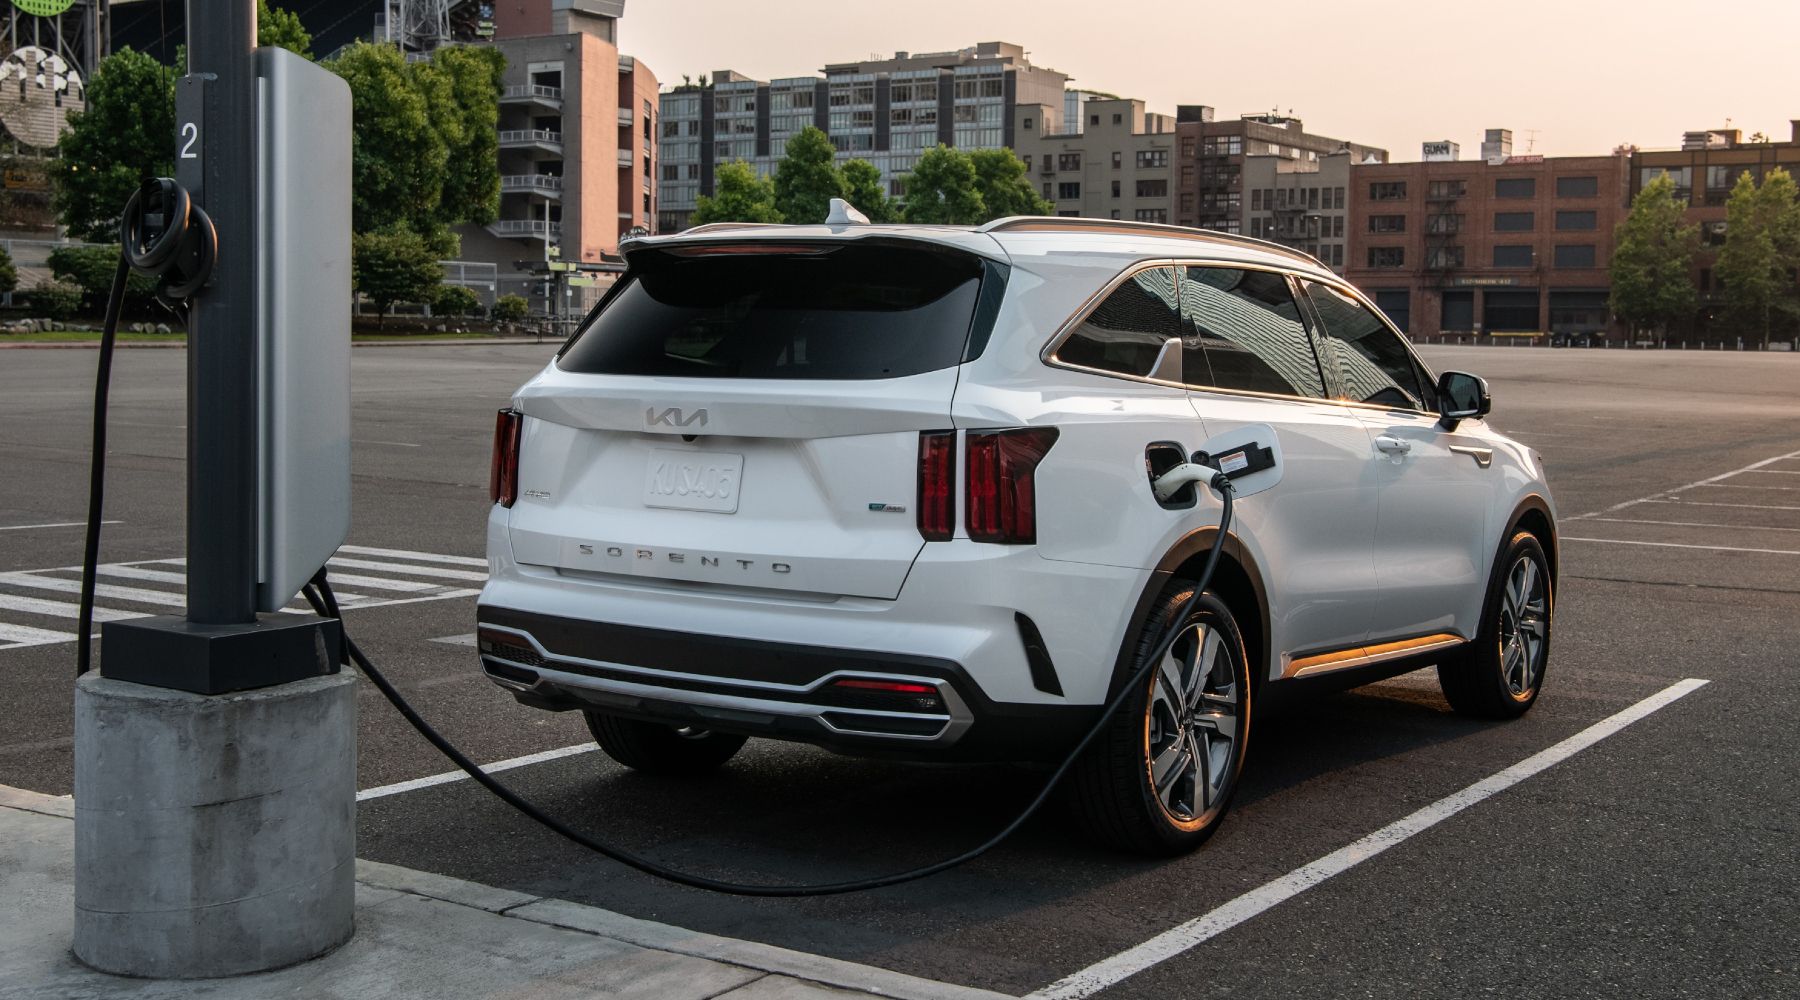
x,y
318,594
162,234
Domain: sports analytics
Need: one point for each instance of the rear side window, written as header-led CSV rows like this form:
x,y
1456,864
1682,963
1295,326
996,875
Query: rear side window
x,y
1127,331
762,311
1251,330
1372,362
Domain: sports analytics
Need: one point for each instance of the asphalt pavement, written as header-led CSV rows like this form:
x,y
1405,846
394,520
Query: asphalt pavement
x,y
1656,860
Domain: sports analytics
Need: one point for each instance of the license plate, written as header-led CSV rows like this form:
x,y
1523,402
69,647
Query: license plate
x,y
693,480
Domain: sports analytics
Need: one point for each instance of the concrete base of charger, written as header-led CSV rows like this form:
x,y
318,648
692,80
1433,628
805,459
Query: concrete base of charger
x,y
215,835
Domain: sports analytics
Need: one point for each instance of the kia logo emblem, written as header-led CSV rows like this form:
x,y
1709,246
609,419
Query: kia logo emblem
x,y
674,417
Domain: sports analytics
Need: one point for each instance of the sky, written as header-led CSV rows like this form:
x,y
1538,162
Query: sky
x,y
1569,77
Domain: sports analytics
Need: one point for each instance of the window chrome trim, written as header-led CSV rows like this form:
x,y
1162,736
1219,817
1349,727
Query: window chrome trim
x,y
1342,285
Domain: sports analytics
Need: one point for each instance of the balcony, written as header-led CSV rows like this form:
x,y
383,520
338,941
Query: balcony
x,y
537,139
624,117
627,158
530,229
530,94
545,185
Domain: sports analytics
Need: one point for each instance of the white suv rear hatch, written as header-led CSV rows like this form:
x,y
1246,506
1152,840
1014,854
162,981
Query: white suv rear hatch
x,y
746,415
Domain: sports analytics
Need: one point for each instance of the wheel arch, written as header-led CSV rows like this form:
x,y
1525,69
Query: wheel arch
x,y
1238,581
1533,514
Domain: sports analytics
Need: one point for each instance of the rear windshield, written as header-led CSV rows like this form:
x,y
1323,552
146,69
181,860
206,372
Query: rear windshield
x,y
804,312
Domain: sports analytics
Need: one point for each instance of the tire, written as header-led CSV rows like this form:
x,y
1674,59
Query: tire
x,y
656,748
1499,675
1112,790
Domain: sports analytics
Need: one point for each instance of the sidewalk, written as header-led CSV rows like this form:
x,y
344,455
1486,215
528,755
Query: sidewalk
x,y
421,935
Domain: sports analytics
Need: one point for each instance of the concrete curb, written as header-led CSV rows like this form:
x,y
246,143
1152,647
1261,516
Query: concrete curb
x,y
779,972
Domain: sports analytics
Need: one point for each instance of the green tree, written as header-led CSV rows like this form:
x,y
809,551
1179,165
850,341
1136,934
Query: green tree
x,y
862,183
943,189
91,269
1780,203
1652,261
9,274
510,309
1751,266
1005,190
462,85
738,196
400,162
807,178
394,266
275,26
55,300
125,135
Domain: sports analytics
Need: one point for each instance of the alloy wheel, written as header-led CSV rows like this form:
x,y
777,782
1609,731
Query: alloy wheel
x,y
1524,626
1192,725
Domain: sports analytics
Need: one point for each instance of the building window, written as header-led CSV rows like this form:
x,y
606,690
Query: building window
x,y
1337,254
1446,189
1312,197
1115,189
1575,255
1577,187
1152,158
1387,223
1151,215
1513,255
1256,224
1152,189
1118,119
1337,198
1068,190
1046,189
1187,202
1577,221
1118,159
671,172
1027,124
1387,190
1515,187
1187,175
1387,256
1445,224
1068,161
1093,119
1027,159
1115,214
1682,176
1256,200
1514,222
1187,149
1337,227
1443,258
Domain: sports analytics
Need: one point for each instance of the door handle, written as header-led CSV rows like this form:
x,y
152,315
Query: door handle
x,y
1391,445
1483,457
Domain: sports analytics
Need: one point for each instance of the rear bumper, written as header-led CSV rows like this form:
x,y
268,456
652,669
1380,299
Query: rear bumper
x,y
780,690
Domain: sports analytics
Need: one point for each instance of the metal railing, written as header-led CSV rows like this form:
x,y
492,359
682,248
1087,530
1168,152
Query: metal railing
x,y
532,183
524,227
531,91
528,136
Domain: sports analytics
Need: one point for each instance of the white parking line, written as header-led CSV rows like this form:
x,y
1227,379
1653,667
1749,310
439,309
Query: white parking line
x,y
1678,545
1710,503
63,609
466,639
13,636
430,557
1657,497
1201,929
60,585
1691,524
448,574
494,768
1748,486
58,524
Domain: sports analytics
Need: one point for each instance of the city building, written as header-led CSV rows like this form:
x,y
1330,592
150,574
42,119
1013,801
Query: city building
x,y
1211,191
1512,245
886,111
1704,170
1300,201
577,147
1116,166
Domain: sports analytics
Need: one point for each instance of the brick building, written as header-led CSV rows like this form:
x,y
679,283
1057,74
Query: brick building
x,y
1211,191
1515,245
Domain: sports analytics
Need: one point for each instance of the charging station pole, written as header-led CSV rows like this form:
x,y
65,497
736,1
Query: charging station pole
x,y
215,753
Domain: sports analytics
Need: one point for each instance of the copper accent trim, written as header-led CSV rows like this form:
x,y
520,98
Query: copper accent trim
x,y
1483,457
1360,656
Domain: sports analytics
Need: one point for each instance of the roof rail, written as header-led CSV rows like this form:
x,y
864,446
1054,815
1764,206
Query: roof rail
x,y
715,227
1054,223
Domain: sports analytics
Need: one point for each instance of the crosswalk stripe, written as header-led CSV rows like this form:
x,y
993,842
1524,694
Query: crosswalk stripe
x,y
63,609
139,573
448,574
61,585
430,557
12,636
383,583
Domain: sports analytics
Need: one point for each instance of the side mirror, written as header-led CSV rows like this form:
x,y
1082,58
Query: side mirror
x,y
1461,396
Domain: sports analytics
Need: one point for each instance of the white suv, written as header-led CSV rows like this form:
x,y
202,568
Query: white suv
x,y
888,489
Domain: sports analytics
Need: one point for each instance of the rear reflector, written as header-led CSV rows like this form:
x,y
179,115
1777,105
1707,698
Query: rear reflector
x,y
899,687
503,477
937,485
1000,498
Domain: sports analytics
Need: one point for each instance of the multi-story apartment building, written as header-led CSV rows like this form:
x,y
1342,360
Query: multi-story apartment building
x,y
1211,191
1117,166
1300,201
1518,244
577,144
1704,170
886,111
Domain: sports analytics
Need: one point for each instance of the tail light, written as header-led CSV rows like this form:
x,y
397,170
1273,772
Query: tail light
x,y
937,485
503,478
1001,487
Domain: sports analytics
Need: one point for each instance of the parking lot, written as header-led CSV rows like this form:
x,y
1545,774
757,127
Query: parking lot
x,y
1655,856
